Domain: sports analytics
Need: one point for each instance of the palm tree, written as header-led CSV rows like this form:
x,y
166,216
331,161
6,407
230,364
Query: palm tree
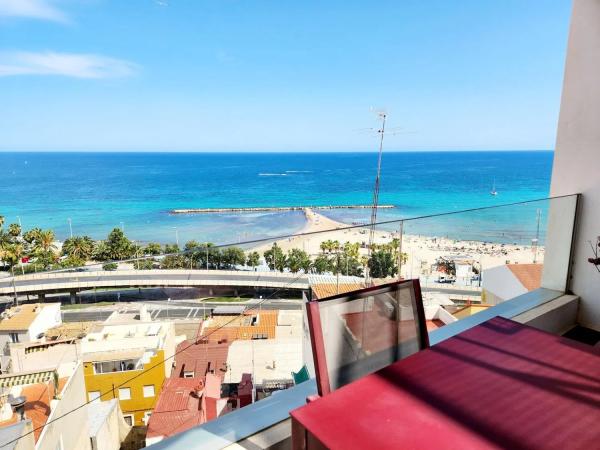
x,y
78,247
44,242
1,221
14,229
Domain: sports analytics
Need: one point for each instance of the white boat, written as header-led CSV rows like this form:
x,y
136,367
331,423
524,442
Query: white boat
x,y
493,191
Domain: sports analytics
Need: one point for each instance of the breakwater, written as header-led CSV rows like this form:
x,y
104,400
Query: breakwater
x,y
271,209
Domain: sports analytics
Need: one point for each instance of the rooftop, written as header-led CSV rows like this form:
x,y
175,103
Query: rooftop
x,y
199,358
265,359
38,405
179,407
253,324
529,275
20,318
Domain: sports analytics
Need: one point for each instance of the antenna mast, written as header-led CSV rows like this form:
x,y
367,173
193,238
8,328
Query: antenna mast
x,y
381,132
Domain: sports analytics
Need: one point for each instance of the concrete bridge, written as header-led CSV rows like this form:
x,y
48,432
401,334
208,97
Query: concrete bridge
x,y
73,282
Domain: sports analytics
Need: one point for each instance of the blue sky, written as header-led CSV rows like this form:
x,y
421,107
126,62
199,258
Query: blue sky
x,y
233,75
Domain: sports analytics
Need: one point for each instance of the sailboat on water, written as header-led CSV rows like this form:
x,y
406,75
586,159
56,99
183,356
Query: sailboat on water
x,y
494,191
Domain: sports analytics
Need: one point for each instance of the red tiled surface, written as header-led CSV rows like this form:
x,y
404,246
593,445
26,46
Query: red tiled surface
x,y
530,275
37,407
196,357
176,410
498,385
231,328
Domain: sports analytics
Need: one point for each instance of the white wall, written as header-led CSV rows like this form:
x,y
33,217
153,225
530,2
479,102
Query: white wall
x,y
73,429
48,317
49,358
501,283
577,156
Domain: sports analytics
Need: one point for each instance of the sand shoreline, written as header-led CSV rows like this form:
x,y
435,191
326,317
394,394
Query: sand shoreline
x,y
422,251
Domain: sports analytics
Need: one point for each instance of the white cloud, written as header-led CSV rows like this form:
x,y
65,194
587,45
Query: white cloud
x,y
77,65
34,9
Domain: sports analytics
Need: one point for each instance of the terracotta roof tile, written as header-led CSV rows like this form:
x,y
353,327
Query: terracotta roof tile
x,y
231,328
530,275
198,358
323,290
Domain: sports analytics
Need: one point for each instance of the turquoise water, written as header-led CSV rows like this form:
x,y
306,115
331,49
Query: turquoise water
x,y
100,191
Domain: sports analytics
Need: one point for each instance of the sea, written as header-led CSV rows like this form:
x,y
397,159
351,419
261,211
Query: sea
x,y
95,192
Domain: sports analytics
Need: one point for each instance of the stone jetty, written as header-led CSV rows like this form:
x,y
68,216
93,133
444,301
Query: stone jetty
x,y
271,209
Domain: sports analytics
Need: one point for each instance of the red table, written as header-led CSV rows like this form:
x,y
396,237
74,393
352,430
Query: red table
x,y
497,385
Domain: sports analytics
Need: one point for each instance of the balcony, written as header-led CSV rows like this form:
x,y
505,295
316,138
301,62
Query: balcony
x,y
472,253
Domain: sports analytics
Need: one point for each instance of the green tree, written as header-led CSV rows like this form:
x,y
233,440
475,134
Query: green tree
x,y
173,262
117,246
253,259
322,264
192,245
100,251
44,242
110,266
144,264
275,258
78,247
32,235
153,248
231,257
298,260
14,229
171,248
1,221
382,264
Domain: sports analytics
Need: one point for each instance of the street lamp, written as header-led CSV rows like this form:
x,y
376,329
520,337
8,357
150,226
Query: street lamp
x,y
70,227
176,237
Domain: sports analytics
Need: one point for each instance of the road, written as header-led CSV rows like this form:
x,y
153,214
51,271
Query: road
x,y
65,282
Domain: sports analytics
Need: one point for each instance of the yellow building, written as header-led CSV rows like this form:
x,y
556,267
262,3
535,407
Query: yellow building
x,y
469,310
127,362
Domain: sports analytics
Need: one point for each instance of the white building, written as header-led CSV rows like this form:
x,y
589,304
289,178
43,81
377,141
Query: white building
x,y
48,395
26,323
509,281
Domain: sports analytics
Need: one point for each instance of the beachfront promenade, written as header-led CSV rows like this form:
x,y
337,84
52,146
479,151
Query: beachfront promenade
x,y
79,281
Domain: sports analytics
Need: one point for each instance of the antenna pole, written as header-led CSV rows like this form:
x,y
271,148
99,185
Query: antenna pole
x,y
376,190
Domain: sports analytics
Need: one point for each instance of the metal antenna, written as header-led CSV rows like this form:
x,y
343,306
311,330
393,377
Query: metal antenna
x,y
381,132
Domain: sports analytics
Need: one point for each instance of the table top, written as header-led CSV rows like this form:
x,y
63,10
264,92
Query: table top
x,y
497,385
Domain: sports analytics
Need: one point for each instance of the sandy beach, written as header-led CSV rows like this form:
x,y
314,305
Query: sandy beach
x,y
422,251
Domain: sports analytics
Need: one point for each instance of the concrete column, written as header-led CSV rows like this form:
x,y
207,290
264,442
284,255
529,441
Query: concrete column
x,y
73,297
236,293
576,162
41,297
210,292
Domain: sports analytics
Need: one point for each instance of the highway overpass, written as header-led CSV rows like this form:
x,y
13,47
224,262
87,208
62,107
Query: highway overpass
x,y
73,282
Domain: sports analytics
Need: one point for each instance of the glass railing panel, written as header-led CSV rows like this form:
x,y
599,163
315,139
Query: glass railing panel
x,y
360,332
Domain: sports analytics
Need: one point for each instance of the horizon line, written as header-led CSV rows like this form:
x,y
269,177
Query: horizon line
x,y
280,151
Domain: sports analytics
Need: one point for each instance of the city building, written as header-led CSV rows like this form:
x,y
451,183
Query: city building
x,y
129,363
508,281
26,323
252,324
39,397
107,426
185,403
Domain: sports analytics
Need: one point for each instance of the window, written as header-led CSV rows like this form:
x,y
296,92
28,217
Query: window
x,y
14,337
128,419
147,415
149,390
188,374
124,393
94,396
